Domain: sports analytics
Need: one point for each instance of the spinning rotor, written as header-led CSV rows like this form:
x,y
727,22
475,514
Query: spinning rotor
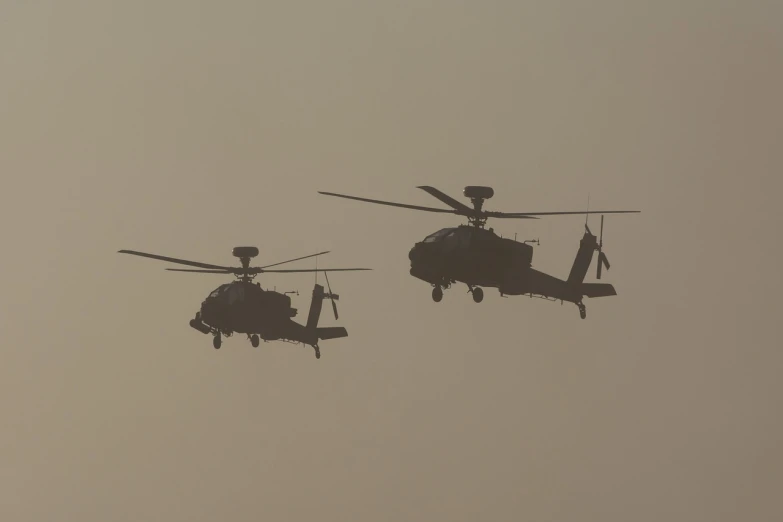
x,y
246,272
477,216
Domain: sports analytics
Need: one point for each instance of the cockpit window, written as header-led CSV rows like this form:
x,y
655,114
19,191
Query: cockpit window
x,y
219,290
440,234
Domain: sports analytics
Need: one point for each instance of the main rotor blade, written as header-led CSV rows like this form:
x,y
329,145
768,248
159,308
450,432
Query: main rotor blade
x,y
174,260
453,203
402,205
580,212
297,259
507,216
195,270
314,270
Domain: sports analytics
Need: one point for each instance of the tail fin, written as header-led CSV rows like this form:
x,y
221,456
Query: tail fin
x,y
315,307
312,329
584,257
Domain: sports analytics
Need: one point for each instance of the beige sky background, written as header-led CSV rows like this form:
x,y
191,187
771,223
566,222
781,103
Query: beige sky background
x,y
187,128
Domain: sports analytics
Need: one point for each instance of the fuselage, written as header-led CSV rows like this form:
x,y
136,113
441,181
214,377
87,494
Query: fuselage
x,y
474,256
245,307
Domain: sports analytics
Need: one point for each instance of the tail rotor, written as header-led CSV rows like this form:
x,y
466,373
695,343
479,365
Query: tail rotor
x,y
333,297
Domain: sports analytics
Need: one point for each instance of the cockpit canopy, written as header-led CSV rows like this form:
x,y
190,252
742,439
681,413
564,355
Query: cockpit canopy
x,y
228,293
459,235
248,294
440,234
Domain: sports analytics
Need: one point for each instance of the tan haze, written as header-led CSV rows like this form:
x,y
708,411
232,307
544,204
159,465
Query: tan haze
x,y
186,128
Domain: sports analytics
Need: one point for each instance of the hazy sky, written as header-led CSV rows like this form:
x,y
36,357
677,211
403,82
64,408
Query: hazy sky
x,y
187,128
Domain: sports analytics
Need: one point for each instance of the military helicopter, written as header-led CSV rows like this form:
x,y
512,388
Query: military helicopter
x,y
244,307
477,257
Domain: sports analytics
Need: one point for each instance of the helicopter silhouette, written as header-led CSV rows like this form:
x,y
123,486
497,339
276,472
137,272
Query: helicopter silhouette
x,y
478,257
244,307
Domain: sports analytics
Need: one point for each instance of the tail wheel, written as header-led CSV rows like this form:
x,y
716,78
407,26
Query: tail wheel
x,y
582,311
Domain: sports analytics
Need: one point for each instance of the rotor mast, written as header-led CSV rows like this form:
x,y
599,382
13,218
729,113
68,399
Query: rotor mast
x,y
477,196
245,254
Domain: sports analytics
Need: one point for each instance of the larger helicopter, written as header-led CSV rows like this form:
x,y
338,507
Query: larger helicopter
x,y
244,307
478,257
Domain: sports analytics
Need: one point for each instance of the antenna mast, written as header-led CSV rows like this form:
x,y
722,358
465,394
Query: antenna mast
x,y
587,213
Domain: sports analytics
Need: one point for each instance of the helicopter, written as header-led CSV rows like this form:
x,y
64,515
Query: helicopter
x,y
244,307
477,257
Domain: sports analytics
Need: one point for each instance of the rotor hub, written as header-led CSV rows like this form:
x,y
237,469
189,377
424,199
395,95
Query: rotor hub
x,y
477,195
245,254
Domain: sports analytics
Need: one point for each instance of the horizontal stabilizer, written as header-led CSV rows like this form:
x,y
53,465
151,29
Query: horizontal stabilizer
x,y
331,332
598,290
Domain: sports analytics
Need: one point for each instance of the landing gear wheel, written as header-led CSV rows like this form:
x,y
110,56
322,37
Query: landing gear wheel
x,y
478,295
582,311
437,294
216,342
317,353
254,340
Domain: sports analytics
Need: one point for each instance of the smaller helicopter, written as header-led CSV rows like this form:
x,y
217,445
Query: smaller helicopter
x,y
244,307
